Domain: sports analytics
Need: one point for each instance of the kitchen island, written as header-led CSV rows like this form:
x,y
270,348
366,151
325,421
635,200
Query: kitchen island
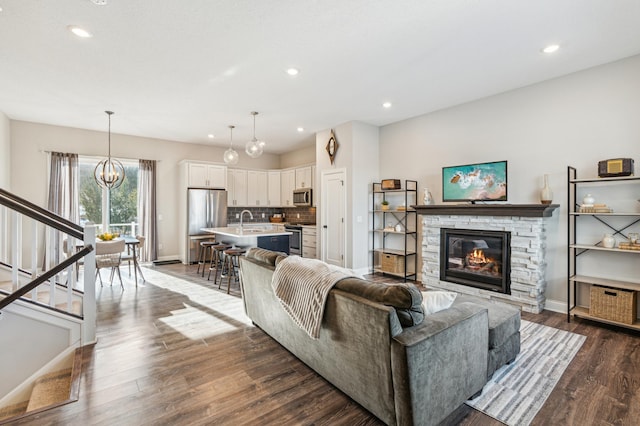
x,y
263,236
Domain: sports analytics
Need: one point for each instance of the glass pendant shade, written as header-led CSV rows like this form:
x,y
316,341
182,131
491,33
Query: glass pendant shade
x,y
254,148
109,173
230,155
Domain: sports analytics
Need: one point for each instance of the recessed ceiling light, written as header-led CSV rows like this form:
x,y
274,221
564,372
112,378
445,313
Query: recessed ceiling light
x,y
80,32
551,48
99,2
301,129
387,104
210,136
293,71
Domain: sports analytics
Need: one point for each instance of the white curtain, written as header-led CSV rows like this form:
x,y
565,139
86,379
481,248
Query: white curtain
x,y
147,208
63,191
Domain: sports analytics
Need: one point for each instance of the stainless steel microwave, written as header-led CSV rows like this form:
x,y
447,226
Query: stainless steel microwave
x,y
302,197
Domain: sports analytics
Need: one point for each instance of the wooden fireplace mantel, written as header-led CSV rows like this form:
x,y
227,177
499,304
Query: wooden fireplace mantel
x,y
521,210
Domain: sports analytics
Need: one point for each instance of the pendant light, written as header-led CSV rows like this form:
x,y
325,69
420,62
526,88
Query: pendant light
x,y
230,155
254,147
109,173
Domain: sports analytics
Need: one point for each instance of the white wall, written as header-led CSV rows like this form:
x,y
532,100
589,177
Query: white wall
x,y
575,120
5,152
29,174
358,154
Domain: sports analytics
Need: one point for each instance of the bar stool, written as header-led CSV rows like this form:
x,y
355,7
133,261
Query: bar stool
x,y
205,246
232,262
216,261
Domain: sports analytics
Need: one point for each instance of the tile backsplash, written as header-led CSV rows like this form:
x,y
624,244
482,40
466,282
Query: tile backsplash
x,y
292,215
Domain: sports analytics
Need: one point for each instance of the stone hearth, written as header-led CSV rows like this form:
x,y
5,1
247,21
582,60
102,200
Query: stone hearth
x,y
528,237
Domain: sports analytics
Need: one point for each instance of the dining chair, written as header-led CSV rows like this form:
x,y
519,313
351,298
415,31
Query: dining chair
x,y
108,255
133,254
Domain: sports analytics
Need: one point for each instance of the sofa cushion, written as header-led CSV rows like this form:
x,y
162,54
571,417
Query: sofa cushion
x,y
265,256
504,319
404,297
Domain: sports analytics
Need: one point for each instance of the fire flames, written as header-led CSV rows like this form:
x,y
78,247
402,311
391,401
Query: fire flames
x,y
478,261
477,257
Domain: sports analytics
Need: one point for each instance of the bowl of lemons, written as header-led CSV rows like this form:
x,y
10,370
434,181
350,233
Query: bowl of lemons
x,y
108,236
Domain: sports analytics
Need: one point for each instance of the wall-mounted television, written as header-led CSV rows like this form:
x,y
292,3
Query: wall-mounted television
x,y
475,182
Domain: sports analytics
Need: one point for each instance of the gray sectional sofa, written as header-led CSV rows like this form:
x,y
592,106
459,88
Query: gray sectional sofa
x,y
376,346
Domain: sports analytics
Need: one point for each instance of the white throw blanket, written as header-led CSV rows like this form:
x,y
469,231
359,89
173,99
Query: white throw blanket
x,y
302,286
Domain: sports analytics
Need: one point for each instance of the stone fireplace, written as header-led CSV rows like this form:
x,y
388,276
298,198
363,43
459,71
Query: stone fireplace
x,y
522,272
476,258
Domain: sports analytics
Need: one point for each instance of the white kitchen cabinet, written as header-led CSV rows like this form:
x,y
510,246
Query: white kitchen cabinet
x,y
237,188
202,175
274,188
257,188
287,185
309,242
304,178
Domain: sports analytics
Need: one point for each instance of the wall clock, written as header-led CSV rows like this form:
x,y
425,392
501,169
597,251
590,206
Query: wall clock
x,y
332,147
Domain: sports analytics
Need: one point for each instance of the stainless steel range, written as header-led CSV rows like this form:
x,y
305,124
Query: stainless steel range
x,y
295,239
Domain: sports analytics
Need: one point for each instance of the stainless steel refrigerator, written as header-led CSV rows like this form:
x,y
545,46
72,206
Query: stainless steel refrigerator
x,y
206,208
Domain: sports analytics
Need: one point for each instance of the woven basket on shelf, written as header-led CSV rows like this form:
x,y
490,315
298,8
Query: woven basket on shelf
x,y
614,304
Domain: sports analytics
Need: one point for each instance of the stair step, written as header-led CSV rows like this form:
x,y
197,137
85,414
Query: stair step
x,y
13,410
50,389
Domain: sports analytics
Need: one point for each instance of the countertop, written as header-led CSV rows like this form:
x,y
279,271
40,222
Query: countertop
x,y
248,231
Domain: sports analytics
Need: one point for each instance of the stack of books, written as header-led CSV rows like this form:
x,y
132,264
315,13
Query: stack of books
x,y
594,208
628,246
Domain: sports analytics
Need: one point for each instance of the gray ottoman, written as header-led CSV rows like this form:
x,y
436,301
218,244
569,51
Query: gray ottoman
x,y
504,331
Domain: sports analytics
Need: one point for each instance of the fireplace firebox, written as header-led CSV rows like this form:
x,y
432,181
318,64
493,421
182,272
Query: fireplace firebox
x,y
476,258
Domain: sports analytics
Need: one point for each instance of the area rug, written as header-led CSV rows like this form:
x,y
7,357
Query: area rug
x,y
516,392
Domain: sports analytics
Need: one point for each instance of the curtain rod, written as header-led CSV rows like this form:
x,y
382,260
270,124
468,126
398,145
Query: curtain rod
x,y
45,151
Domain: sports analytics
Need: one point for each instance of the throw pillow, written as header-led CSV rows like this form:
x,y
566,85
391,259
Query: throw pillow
x,y
435,301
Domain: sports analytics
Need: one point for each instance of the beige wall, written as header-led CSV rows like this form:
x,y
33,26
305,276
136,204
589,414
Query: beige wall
x,y
575,120
298,157
5,152
29,141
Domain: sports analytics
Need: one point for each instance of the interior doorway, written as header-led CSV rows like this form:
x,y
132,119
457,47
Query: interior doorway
x,y
334,202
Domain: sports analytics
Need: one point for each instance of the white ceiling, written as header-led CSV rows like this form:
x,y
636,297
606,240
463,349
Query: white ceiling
x,y
179,70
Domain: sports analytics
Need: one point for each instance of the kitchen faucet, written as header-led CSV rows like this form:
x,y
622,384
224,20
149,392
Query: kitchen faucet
x,y
242,215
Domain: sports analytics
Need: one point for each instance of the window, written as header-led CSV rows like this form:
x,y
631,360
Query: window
x,y
111,210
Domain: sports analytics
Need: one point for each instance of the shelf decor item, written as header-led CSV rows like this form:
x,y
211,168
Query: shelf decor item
x,y
608,241
588,200
427,198
615,167
384,205
391,184
615,304
546,195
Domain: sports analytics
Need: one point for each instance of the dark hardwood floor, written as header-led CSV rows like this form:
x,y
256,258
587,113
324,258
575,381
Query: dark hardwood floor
x,y
179,352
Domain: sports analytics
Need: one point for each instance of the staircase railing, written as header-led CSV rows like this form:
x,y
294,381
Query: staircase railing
x,y
60,274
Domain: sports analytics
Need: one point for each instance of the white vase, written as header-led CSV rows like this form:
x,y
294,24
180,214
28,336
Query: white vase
x,y
546,194
588,200
608,241
427,197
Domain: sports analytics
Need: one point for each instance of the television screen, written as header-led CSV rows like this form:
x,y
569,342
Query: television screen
x,y
475,182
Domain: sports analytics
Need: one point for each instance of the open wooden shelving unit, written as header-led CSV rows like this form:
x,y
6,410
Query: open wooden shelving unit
x,y
579,283
386,240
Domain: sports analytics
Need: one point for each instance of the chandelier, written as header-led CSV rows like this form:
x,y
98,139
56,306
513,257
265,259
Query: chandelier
x,y
254,147
230,155
109,173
